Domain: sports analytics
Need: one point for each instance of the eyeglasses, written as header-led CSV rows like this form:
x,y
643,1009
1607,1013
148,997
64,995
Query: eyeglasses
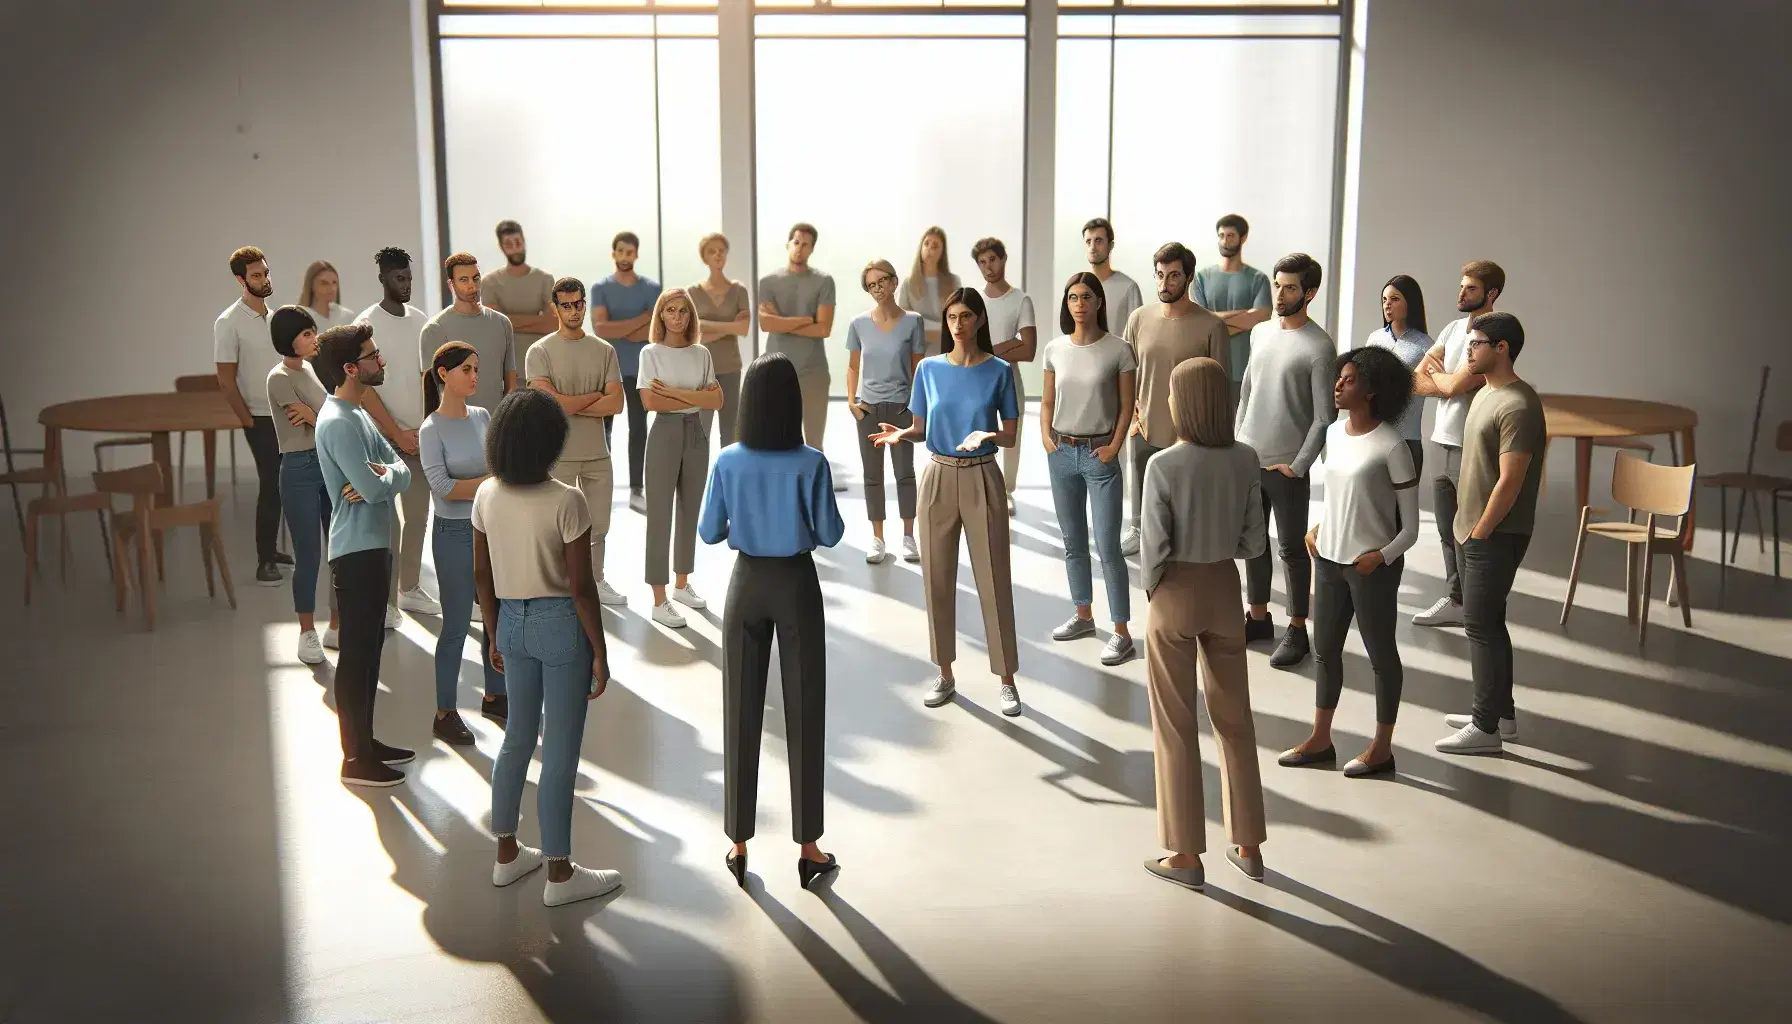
x,y
880,282
1079,298
369,357
1473,342
570,306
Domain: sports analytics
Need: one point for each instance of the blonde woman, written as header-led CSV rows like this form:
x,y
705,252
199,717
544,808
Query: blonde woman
x,y
930,283
883,346
320,294
724,314
678,381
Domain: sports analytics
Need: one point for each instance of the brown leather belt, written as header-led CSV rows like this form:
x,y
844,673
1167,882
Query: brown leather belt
x,y
954,462
1085,442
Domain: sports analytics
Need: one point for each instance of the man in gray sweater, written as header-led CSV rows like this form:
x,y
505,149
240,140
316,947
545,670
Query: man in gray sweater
x,y
1284,406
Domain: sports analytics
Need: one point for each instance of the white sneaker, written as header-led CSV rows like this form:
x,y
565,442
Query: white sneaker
x,y
1129,541
585,884
687,596
311,649
528,858
415,600
1470,740
876,553
332,639
910,551
1011,504
1444,613
1010,701
637,502
1508,726
393,618
839,478
607,594
666,615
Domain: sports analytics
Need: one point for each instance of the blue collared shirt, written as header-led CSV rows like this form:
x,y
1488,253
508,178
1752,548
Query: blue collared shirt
x,y
771,504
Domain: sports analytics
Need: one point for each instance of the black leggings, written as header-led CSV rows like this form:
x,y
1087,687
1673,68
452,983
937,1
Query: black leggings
x,y
359,579
1286,498
264,446
1339,594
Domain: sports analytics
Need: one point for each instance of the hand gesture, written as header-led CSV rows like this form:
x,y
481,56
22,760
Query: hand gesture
x,y
301,416
350,495
497,658
600,677
378,469
1368,563
1108,452
1313,542
974,440
1049,438
768,308
887,435
407,441
1284,469
858,410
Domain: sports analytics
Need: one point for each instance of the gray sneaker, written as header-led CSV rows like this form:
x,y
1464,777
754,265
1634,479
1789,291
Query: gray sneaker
x,y
940,693
1129,541
1074,628
1189,878
1010,701
1118,649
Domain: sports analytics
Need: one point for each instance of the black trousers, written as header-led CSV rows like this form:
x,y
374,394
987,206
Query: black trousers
x,y
1488,569
1340,593
1285,498
264,446
770,596
1443,503
637,434
359,579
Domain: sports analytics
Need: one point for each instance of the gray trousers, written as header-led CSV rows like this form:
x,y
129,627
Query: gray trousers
x,y
676,469
730,411
1138,452
1443,505
902,461
1011,456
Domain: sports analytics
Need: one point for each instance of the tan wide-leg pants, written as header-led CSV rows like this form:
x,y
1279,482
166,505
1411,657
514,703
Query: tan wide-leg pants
x,y
815,407
592,478
1197,616
1011,456
410,513
967,495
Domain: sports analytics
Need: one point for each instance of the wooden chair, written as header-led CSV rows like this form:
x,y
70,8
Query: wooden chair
x,y
1637,444
1660,492
40,475
131,441
57,503
147,519
195,384
1750,486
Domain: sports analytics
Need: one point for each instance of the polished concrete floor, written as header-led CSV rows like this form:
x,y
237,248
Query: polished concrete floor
x,y
179,849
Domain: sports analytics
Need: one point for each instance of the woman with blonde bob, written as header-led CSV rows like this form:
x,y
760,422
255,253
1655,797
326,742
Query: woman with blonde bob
x,y
319,294
1203,509
930,283
725,314
678,381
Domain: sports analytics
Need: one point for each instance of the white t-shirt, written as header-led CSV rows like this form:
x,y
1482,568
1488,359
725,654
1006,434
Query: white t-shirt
x,y
1371,494
397,340
1452,413
526,530
242,337
689,367
1008,313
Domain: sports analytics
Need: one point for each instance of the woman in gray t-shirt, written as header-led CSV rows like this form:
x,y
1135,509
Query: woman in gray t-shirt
x,y
294,397
882,347
677,381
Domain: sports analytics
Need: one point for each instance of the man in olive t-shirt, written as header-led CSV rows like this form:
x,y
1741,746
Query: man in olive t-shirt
x,y
522,293
796,310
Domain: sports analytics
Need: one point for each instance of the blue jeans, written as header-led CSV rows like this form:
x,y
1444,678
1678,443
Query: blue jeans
x,y
306,503
1080,482
547,669
452,544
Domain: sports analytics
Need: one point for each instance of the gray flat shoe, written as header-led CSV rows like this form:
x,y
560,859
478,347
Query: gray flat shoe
x,y
1251,866
1189,878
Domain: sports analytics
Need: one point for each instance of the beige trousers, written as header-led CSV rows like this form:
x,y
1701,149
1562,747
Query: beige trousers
x,y
815,407
1197,615
411,514
1011,456
966,495
676,470
593,479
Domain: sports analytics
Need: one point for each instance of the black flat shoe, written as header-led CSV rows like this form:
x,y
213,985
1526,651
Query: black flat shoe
x,y
496,708
737,866
452,729
1357,769
808,871
1296,759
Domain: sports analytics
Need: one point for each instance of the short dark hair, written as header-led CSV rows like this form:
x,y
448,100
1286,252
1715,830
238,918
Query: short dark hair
x,y
1303,266
1489,273
771,404
286,324
625,238
1384,376
806,228
1501,327
1415,301
459,259
569,284
525,437
1067,323
1100,224
336,348
508,227
391,258
1236,223
989,245
973,300
240,259
1175,252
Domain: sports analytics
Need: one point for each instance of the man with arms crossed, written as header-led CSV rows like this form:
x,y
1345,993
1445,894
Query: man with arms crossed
x,y
796,310
1119,292
621,312
1235,290
582,373
397,410
1445,375
1502,467
1162,336
1013,332
520,292
468,320
243,349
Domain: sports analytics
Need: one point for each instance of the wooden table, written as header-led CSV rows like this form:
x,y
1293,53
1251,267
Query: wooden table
x,y
157,415
1587,418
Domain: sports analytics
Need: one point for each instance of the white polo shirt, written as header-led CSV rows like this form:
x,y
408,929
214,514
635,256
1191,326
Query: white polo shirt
x,y
241,336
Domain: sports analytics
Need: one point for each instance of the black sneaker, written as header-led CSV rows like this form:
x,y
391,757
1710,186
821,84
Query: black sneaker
x,y
1292,650
389,754
451,729
496,708
267,574
282,558
1257,631
357,772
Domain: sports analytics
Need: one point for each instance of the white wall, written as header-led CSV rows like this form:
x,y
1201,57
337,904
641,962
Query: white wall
x,y
1625,163
146,141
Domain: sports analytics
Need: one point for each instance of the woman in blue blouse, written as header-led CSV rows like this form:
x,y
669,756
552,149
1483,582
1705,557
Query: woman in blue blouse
x,y
772,499
964,407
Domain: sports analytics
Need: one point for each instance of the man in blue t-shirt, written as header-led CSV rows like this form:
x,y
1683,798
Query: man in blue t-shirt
x,y
621,311
1236,291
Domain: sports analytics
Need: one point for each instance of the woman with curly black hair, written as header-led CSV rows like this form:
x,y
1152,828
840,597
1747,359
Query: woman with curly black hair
x,y
1369,520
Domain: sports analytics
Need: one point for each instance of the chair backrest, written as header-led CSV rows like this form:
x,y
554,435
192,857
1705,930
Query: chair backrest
x,y
137,481
1646,487
5,435
196,383
1784,441
1754,430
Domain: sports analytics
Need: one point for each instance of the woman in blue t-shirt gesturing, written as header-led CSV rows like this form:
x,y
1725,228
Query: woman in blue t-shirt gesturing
x,y
964,408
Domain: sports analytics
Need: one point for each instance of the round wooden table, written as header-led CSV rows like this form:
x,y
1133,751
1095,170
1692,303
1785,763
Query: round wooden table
x,y
157,415
1587,418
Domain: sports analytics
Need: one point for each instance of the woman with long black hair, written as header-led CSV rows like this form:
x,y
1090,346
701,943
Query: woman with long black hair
x,y
1403,332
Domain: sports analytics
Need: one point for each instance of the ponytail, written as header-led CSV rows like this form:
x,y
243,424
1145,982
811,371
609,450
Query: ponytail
x,y
447,357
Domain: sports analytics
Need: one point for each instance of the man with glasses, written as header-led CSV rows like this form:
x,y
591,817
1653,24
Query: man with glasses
x,y
621,313
1163,335
1013,332
582,373
1236,291
1119,292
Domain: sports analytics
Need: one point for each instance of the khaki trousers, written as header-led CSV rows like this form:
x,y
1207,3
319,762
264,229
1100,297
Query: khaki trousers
x,y
967,495
677,469
815,407
1011,456
1197,615
411,514
592,478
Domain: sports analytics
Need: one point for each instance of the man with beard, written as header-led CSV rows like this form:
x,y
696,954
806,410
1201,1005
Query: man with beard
x,y
487,330
520,292
796,310
363,476
1284,406
1014,333
1119,293
621,312
1238,292
1445,375
243,349
397,410
1163,335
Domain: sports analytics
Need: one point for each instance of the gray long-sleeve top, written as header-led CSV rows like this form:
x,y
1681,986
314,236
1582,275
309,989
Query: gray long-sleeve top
x,y
1201,505
1285,402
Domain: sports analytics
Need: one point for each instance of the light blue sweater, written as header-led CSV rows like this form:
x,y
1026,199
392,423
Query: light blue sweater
x,y
347,441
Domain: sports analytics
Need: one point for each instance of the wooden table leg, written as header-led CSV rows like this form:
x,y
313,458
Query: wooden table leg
x,y
164,459
211,463
1690,454
1583,471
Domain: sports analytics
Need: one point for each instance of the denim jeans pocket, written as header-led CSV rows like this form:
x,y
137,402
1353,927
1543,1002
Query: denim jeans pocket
x,y
1099,470
553,638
